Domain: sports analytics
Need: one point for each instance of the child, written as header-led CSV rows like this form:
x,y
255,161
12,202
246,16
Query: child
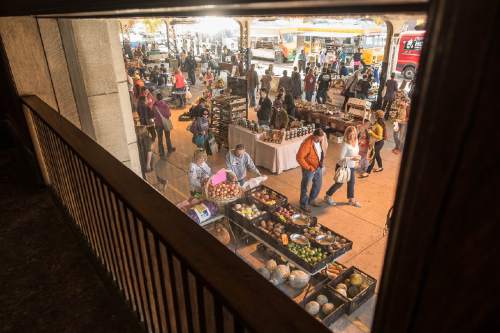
x,y
199,172
364,143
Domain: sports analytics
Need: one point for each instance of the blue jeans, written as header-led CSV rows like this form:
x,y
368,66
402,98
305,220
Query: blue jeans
x,y
350,185
399,136
307,176
309,95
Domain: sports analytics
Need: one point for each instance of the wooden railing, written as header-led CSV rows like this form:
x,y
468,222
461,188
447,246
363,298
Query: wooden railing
x,y
173,274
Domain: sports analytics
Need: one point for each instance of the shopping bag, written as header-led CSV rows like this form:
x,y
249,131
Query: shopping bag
x,y
199,140
188,95
212,145
343,173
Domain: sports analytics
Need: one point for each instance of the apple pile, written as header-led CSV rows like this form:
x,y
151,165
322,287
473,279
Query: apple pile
x,y
223,191
267,197
285,213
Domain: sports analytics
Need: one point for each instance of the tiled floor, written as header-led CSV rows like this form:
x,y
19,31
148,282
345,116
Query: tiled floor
x,y
364,226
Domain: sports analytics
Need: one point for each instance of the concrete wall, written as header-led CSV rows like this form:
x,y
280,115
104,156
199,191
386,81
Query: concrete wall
x,y
24,49
100,57
76,67
58,67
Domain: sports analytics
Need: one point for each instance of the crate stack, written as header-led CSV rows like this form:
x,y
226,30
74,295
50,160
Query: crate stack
x,y
226,109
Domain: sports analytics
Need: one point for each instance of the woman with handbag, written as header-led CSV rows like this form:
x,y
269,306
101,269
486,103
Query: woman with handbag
x,y
163,124
199,128
345,168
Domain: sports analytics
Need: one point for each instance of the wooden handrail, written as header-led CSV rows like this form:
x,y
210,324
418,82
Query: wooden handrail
x,y
260,305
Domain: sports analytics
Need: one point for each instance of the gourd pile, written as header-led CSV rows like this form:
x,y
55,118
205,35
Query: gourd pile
x,y
320,306
352,286
310,255
278,274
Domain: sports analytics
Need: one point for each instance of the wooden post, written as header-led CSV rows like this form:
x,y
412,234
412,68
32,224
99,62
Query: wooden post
x,y
385,62
36,145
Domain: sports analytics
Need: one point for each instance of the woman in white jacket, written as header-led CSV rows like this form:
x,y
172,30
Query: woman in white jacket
x,y
350,155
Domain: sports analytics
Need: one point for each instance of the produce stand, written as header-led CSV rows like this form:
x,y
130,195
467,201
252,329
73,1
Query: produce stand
x,y
259,227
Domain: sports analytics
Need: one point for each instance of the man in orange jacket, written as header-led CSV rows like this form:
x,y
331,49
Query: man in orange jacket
x,y
311,157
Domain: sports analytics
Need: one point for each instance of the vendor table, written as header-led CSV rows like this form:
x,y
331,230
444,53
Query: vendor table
x,y
277,157
238,134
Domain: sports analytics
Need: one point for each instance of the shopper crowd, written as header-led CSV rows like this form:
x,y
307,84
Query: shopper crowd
x,y
309,80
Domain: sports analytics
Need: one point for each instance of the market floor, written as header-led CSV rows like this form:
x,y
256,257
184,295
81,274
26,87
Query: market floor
x,y
364,226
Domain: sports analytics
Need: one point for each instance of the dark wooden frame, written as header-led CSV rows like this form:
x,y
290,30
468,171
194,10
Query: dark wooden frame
x,y
422,289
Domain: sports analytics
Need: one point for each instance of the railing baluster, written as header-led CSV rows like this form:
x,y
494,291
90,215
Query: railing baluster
x,y
180,294
115,241
107,233
193,296
68,157
209,311
86,207
91,207
127,220
154,250
153,291
169,288
228,321
140,269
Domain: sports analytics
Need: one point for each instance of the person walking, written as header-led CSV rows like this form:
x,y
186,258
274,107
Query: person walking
x,y
289,105
343,70
191,68
400,125
391,87
146,116
311,156
349,154
363,88
199,172
265,108
238,161
180,87
309,85
302,61
378,134
163,124
350,88
323,84
252,84
285,82
296,84
265,81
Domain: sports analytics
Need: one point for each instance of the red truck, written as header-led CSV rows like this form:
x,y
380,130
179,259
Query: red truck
x,y
410,47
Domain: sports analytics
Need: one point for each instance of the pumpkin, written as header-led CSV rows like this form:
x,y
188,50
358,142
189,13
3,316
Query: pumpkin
x,y
327,308
356,279
341,292
280,274
312,308
322,299
271,265
298,279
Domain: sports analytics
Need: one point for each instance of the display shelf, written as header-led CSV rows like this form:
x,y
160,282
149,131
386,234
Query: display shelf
x,y
226,109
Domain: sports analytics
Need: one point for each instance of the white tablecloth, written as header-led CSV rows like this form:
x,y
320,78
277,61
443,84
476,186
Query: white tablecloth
x,y
238,134
277,157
